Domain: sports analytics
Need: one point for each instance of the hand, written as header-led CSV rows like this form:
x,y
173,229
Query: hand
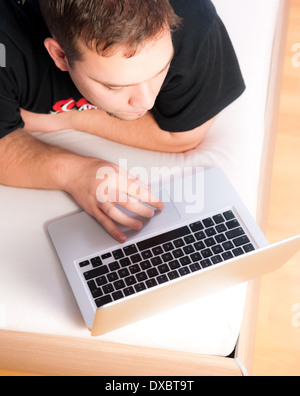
x,y
101,185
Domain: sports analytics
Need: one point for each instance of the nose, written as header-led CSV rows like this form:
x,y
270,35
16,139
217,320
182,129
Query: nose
x,y
142,97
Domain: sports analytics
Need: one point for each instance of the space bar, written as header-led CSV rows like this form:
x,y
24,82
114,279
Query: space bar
x,y
163,238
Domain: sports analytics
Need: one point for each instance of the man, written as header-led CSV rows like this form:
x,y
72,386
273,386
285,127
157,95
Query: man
x,y
152,74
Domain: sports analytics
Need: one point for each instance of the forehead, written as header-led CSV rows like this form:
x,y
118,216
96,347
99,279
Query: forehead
x,y
118,69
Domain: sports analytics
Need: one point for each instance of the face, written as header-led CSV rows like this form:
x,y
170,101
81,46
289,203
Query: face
x,y
124,87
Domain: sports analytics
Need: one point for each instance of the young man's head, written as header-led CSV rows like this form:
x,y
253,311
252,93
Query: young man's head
x,y
117,52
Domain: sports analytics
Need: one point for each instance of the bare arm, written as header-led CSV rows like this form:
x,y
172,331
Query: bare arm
x,y
143,133
27,162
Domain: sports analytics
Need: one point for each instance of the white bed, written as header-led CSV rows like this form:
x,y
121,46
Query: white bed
x,y
36,302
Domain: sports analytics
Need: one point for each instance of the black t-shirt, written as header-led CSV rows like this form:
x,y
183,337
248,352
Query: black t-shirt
x,y
203,79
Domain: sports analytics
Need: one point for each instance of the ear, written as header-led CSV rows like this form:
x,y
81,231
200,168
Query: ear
x,y
57,54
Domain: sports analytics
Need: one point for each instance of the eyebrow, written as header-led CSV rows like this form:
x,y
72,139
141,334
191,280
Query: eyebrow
x,y
108,85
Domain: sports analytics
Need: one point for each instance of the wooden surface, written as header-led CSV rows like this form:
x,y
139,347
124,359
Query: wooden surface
x,y
277,350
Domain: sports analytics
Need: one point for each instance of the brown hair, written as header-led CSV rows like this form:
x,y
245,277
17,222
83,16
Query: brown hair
x,y
106,24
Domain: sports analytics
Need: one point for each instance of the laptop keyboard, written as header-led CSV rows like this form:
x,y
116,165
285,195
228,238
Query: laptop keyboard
x,y
165,257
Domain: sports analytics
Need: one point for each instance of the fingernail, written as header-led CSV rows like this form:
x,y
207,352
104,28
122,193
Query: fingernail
x,y
138,226
122,238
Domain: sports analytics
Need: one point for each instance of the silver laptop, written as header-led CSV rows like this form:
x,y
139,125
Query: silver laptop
x,y
203,241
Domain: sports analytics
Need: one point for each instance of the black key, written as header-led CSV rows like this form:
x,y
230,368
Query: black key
x,y
151,283
95,259
162,279
128,291
119,284
125,262
173,275
188,249
157,251
216,259
118,254
227,255
196,257
243,240
95,273
107,289
249,248
130,281
221,228
238,251
145,265
152,272
220,238
195,267
136,258
140,287
229,215
209,242
199,245
185,260
134,269
129,250
227,245
156,260
94,289
84,264
141,277
178,253
167,257
206,253
179,243
168,246
113,276
189,239
103,301
205,263
101,281
210,232
106,256
123,273
232,224
114,266
96,262
196,226
163,238
235,233
174,264
117,295
184,271
147,254
208,222
217,249
218,219
200,235
163,268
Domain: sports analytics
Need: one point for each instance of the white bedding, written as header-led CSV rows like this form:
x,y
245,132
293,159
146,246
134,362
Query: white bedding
x,y
34,293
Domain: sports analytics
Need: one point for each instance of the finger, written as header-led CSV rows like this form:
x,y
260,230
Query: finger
x,y
118,216
135,206
145,195
109,226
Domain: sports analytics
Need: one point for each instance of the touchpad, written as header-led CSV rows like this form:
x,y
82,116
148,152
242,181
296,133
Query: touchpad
x,y
161,219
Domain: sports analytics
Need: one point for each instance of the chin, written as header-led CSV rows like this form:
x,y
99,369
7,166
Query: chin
x,y
128,117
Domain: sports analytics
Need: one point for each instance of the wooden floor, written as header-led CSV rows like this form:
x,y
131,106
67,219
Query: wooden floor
x,y
278,333
277,349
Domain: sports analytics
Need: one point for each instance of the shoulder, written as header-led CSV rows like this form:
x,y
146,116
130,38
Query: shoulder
x,y
198,19
197,16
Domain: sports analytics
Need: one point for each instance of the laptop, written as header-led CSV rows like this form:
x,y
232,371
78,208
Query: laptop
x,y
205,240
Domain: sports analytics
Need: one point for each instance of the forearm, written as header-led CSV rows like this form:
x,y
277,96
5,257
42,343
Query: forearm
x,y
143,133
27,162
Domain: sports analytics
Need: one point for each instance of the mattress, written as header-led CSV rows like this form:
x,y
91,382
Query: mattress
x,y
34,293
